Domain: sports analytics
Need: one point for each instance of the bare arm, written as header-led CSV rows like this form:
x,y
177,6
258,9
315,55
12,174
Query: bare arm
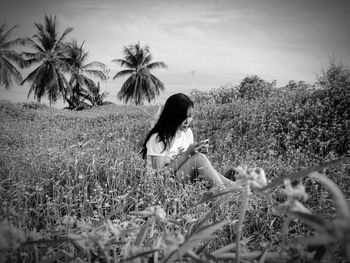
x,y
159,162
181,158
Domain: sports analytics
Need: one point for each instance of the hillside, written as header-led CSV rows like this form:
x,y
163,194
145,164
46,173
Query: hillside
x,y
76,179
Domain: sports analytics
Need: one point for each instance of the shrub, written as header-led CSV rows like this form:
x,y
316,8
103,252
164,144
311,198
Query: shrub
x,y
253,87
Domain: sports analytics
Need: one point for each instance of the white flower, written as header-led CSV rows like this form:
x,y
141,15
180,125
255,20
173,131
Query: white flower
x,y
294,206
255,177
155,211
68,220
173,240
295,193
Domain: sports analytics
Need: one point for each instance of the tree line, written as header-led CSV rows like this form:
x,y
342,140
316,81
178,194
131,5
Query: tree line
x,y
63,71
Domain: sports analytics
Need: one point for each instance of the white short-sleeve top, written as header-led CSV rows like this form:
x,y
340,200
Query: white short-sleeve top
x,y
182,140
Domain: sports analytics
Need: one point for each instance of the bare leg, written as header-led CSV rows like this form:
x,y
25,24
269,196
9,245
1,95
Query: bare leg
x,y
199,164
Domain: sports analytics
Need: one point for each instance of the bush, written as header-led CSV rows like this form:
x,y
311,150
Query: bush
x,y
253,87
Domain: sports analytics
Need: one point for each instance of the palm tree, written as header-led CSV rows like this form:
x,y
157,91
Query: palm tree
x,y
94,95
141,84
48,78
76,58
8,71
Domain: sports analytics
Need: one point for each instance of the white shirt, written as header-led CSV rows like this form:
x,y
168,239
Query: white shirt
x,y
182,140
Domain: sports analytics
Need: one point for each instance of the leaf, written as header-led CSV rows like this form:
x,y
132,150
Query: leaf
x,y
194,256
201,249
194,240
263,256
319,224
142,254
142,234
214,196
230,247
321,239
78,242
255,255
206,217
49,241
339,198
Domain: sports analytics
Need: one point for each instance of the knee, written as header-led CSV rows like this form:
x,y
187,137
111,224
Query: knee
x,y
200,158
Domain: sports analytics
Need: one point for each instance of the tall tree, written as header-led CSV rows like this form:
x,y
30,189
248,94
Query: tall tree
x,y
48,78
76,57
8,56
142,84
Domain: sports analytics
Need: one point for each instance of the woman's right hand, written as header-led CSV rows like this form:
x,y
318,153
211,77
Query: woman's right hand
x,y
196,147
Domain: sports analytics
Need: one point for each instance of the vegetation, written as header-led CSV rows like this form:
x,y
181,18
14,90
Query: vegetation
x,y
74,188
48,78
8,56
58,59
76,58
142,84
253,87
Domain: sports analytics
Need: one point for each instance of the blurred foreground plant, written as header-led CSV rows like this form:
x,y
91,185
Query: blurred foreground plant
x,y
332,234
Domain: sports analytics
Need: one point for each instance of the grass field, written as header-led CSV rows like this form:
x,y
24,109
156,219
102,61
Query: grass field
x,y
74,188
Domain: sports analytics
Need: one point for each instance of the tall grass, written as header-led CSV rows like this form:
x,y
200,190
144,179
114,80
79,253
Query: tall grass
x,y
74,188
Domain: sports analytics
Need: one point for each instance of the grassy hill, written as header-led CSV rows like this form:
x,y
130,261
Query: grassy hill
x,y
74,187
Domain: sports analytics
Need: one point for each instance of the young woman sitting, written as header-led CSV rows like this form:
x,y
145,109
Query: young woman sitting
x,y
170,145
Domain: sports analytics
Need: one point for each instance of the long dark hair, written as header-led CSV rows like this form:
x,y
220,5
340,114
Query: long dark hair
x,y
173,114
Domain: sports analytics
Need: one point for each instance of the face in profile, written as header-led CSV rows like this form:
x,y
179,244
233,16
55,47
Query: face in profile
x,y
186,123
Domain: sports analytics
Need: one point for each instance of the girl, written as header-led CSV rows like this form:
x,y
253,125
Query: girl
x,y
170,145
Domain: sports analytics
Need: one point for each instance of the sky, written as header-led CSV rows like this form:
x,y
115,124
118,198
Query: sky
x,y
223,41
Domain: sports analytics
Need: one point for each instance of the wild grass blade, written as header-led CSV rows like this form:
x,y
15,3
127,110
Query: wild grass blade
x,y
194,240
142,234
202,248
194,256
319,224
47,241
214,196
318,240
225,249
204,219
303,173
340,201
142,254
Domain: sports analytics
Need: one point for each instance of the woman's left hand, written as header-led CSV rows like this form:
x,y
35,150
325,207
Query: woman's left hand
x,y
202,146
205,147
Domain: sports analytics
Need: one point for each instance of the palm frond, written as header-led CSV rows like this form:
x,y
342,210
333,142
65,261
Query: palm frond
x,y
15,42
155,65
65,33
8,72
4,36
33,57
130,56
126,91
147,60
31,76
96,73
14,56
89,83
123,63
34,45
123,73
94,64
38,85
